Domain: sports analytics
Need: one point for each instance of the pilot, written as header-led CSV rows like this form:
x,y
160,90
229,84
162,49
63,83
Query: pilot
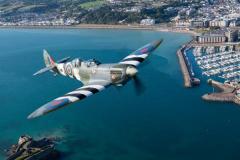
x,y
92,62
77,63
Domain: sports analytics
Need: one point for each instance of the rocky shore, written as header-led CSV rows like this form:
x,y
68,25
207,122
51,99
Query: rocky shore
x,y
29,149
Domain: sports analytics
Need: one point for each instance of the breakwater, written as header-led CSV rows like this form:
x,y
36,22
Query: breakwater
x,y
226,92
187,72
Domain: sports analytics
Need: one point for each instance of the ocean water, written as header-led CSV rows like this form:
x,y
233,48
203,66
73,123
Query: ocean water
x,y
167,122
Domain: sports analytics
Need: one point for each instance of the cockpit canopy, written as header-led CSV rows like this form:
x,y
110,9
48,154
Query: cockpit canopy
x,y
92,62
76,62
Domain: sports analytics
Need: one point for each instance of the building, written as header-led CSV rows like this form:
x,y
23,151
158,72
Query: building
x,y
232,35
199,23
147,22
218,23
211,38
183,23
234,23
219,36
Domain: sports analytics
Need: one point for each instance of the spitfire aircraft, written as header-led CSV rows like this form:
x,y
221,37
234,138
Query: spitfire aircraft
x,y
94,75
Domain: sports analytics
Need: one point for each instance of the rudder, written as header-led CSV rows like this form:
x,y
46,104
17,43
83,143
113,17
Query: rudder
x,y
49,62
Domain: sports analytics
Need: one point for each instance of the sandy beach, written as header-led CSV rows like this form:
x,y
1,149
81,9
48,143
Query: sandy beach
x,y
160,28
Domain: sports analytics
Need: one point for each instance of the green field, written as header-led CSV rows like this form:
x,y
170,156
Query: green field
x,y
93,4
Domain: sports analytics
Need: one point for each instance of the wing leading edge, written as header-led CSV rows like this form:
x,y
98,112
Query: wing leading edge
x,y
71,97
141,54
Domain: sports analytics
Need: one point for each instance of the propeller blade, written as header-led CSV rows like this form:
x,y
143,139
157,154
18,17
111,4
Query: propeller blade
x,y
138,85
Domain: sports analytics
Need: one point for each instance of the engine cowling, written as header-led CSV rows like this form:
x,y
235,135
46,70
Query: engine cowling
x,y
120,74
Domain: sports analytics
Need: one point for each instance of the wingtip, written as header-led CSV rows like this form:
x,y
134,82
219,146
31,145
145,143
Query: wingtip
x,y
49,107
34,74
157,43
29,117
33,115
161,40
37,113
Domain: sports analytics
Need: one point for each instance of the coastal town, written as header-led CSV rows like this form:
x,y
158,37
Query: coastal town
x,y
182,14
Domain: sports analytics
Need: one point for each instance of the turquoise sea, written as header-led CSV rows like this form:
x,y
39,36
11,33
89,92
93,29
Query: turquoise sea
x,y
167,122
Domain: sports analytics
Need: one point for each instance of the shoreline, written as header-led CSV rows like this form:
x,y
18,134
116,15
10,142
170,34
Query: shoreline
x,y
103,26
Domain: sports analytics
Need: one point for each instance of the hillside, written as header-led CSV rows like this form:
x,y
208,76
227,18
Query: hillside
x,y
86,11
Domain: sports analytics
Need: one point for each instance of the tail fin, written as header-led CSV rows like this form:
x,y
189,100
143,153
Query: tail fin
x,y
49,62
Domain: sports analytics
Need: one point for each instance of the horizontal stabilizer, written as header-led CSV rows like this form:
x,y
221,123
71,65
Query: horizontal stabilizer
x,y
64,60
43,70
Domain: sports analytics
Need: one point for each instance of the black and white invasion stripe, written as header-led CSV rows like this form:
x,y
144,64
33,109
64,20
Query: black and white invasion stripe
x,y
134,59
82,92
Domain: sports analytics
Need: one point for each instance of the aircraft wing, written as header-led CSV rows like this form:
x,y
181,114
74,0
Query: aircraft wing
x,y
71,97
141,54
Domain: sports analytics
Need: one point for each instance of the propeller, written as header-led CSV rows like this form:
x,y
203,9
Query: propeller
x,y
138,85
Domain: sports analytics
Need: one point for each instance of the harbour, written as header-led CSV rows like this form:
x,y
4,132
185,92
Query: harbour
x,y
224,64
215,59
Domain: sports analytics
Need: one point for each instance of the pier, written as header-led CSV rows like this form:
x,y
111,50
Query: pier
x,y
189,80
186,75
226,92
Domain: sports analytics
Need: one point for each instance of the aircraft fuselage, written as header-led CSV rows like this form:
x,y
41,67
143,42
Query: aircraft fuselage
x,y
90,71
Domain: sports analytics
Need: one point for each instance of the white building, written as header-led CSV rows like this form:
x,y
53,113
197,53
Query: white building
x,y
234,23
183,23
147,22
211,38
218,23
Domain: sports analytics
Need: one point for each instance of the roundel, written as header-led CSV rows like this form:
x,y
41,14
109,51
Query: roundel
x,y
68,69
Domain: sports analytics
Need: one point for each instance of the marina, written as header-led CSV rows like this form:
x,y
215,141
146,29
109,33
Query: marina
x,y
223,62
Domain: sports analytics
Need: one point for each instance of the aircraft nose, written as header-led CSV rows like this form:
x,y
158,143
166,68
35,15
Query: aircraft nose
x,y
131,71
